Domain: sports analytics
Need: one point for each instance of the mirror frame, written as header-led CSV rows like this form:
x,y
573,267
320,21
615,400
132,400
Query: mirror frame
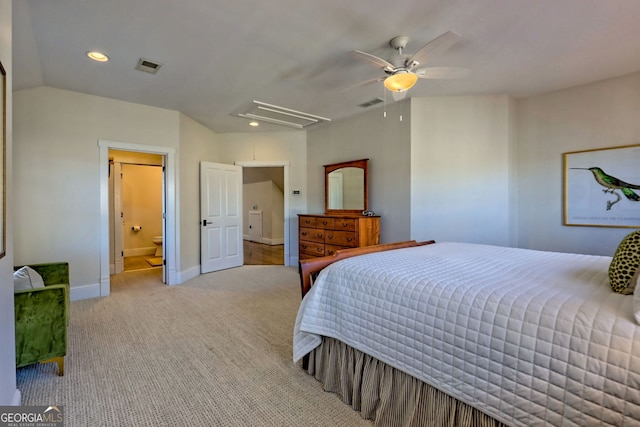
x,y
361,164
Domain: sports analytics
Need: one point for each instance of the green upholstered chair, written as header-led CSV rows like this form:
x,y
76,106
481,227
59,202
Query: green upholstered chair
x,y
42,317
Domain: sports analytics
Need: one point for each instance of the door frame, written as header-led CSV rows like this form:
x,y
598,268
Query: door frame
x,y
287,193
170,239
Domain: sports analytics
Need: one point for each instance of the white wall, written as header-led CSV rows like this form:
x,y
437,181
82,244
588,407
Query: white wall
x,y
197,143
274,147
386,143
9,394
265,196
441,173
597,115
56,180
460,152
276,215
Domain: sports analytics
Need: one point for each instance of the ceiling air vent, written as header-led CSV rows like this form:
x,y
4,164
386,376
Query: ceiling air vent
x,y
148,66
261,111
370,103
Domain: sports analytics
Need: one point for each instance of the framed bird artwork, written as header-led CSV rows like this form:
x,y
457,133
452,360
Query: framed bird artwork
x,y
602,187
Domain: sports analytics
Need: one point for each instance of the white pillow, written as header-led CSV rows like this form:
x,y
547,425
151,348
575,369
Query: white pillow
x,y
27,278
635,280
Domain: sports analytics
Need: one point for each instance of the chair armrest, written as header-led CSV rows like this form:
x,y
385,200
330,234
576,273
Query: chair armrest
x,y
41,317
58,292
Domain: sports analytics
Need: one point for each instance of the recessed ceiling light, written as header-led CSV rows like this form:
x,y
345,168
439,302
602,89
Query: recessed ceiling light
x,y
97,56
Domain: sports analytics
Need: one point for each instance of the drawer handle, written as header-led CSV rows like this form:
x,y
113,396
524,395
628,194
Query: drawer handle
x,y
319,249
304,233
320,235
330,237
304,246
331,252
325,222
344,224
349,239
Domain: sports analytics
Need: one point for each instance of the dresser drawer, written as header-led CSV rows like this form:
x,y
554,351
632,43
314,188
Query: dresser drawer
x,y
341,238
312,234
345,224
312,248
308,221
326,223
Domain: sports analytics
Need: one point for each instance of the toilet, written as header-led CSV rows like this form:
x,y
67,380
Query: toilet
x,y
157,240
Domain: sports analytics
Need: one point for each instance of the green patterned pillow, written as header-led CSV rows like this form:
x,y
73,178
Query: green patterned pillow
x,y
624,264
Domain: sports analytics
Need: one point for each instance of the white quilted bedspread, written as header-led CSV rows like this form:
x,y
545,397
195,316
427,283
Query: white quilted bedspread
x,y
529,337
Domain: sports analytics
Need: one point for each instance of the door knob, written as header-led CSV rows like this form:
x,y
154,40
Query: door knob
x,y
205,222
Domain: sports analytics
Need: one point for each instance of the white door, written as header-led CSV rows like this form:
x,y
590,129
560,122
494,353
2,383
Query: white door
x,y
118,226
220,216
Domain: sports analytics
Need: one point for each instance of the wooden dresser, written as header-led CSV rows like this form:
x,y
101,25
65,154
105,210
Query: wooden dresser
x,y
321,235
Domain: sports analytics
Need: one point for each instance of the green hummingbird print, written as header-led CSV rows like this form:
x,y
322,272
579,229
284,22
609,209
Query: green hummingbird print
x,y
612,184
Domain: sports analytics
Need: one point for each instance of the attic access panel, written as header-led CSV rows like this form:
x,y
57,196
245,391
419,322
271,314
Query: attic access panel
x,y
261,111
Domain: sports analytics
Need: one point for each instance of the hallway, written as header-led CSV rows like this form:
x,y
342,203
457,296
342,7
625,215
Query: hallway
x,y
261,254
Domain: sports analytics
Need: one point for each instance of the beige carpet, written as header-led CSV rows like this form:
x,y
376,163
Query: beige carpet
x,y
215,351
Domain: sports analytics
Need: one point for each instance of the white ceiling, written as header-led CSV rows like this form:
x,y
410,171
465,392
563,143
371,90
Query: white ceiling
x,y
218,56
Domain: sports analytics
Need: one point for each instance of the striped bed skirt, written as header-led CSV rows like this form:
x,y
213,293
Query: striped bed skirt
x,y
386,395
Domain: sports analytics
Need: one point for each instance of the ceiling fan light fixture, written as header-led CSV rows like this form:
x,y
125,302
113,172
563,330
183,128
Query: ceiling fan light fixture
x,y
401,81
253,123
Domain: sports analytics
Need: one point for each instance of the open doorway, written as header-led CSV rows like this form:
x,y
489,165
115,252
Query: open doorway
x,y
263,215
136,189
169,247
265,206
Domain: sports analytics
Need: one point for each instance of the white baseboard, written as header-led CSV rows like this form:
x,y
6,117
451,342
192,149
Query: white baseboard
x,y
118,265
85,292
188,274
140,251
275,241
93,290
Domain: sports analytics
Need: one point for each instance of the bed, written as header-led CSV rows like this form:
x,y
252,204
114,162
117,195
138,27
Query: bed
x,y
468,334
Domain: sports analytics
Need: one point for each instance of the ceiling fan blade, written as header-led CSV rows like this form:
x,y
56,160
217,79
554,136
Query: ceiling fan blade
x,y
366,82
443,73
435,46
372,59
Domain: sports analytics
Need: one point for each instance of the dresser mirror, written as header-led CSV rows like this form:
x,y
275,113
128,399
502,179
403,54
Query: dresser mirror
x,y
345,187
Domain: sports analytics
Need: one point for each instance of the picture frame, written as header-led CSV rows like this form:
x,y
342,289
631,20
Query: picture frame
x,y
602,187
3,160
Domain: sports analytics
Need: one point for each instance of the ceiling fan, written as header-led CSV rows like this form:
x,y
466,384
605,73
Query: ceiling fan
x,y
402,70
